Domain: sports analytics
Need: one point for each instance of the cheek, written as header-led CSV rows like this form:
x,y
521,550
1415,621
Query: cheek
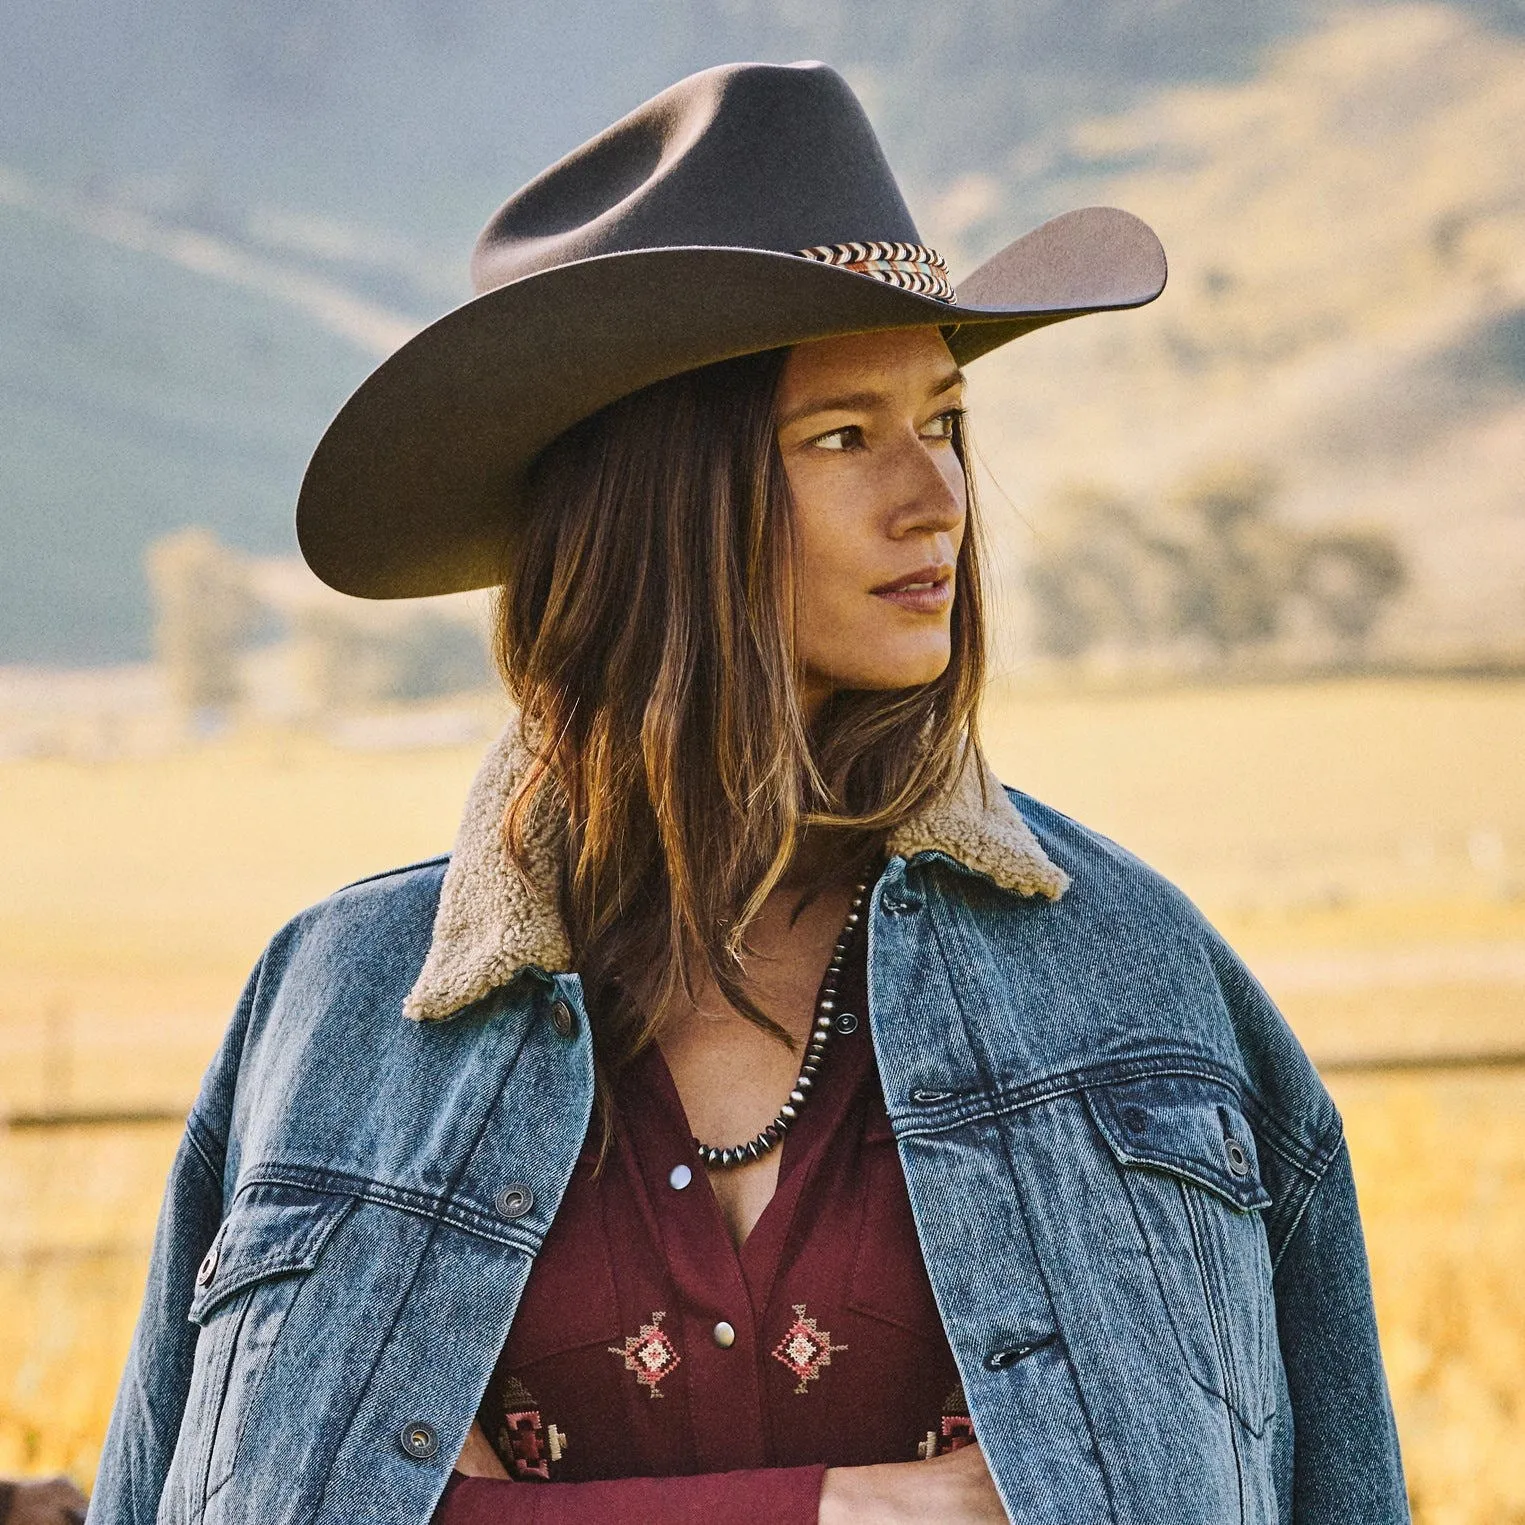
x,y
836,548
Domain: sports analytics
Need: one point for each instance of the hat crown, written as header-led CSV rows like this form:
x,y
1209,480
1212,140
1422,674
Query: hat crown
x,y
753,156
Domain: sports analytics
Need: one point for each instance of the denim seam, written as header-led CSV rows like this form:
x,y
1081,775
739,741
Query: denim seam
x,y
1001,1102
418,1267
1286,1145
1215,1314
394,873
211,1151
297,1258
212,1491
432,1208
982,1056
1302,1207
208,1439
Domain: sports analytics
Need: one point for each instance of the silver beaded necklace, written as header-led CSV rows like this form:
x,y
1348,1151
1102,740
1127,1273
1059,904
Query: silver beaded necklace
x,y
821,1030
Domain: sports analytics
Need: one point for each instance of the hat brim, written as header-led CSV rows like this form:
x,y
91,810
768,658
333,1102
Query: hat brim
x,y
412,489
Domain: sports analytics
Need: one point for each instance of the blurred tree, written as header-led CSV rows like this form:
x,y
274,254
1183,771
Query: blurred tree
x,y
349,658
1213,573
1237,562
204,610
1348,579
1103,579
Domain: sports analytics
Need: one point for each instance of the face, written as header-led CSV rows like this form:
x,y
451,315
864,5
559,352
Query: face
x,y
866,431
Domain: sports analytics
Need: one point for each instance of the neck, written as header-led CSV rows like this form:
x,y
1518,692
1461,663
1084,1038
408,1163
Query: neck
x,y
823,860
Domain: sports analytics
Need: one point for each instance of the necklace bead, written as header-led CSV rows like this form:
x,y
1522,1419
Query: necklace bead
x,y
822,1028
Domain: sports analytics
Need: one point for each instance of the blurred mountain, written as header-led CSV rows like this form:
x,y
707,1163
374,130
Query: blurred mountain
x,y
215,219
1345,313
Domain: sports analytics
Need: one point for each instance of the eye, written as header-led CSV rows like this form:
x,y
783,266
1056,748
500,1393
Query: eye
x,y
849,437
944,425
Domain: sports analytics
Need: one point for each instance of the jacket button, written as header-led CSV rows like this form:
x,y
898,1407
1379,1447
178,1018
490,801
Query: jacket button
x,y
1238,1160
563,1018
514,1201
999,1360
420,1441
724,1335
208,1267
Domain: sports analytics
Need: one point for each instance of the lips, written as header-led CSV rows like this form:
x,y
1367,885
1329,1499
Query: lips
x,y
932,572
927,590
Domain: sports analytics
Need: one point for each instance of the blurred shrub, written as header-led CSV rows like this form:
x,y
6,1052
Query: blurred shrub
x,y
1209,576
344,660
217,613
204,611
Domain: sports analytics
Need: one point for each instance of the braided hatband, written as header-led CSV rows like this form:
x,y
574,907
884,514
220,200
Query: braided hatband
x,y
912,267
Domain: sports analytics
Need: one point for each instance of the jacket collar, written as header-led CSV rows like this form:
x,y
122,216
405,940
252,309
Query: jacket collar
x,y
494,919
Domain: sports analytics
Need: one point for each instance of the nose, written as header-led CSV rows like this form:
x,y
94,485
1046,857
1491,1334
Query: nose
x,y
929,493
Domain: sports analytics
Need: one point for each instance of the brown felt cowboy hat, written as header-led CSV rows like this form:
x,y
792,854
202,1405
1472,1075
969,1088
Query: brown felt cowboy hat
x,y
746,208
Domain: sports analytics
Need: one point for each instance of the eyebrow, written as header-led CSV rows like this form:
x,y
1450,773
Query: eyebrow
x,y
853,402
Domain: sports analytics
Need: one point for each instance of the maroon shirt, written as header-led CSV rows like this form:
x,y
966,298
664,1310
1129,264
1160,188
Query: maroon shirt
x,y
617,1372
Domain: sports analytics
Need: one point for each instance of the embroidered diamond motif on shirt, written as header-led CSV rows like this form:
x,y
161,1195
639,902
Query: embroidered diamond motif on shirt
x,y
805,1349
525,1443
649,1354
954,1432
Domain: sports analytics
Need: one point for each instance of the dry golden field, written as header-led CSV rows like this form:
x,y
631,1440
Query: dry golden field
x,y
1363,844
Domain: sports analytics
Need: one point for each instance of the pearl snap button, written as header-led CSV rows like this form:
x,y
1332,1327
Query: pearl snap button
x,y
725,1335
679,1177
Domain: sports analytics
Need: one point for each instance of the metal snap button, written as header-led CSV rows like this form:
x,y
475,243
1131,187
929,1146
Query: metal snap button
x,y
725,1335
420,1441
1135,1119
679,1177
514,1201
1238,1160
563,1018
847,1023
208,1267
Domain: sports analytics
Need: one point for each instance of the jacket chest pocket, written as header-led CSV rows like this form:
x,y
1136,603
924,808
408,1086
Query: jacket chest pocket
x,y
1189,1162
257,1266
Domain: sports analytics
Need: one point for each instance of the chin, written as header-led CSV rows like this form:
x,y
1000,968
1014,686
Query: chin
x,y
894,670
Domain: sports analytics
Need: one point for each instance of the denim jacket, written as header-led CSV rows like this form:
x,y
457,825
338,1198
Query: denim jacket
x,y
1131,1190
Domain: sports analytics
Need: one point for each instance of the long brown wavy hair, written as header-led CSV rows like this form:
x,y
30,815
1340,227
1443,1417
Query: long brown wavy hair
x,y
646,631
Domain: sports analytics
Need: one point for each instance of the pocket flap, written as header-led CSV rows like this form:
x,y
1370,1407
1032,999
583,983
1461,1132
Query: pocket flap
x,y
269,1231
1185,1125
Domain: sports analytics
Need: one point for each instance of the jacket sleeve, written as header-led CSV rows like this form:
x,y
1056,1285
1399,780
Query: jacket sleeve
x,y
777,1496
1345,1468
150,1402
1345,1464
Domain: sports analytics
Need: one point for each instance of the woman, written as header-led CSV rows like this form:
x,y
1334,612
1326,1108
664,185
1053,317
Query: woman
x,y
764,1114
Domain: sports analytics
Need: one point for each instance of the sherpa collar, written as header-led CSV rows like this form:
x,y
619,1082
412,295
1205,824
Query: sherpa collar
x,y
495,919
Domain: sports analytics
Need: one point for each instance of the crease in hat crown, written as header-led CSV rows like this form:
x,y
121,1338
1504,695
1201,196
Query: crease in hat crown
x,y
703,165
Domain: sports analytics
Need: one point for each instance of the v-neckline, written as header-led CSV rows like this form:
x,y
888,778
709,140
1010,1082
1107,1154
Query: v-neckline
x,y
662,1137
